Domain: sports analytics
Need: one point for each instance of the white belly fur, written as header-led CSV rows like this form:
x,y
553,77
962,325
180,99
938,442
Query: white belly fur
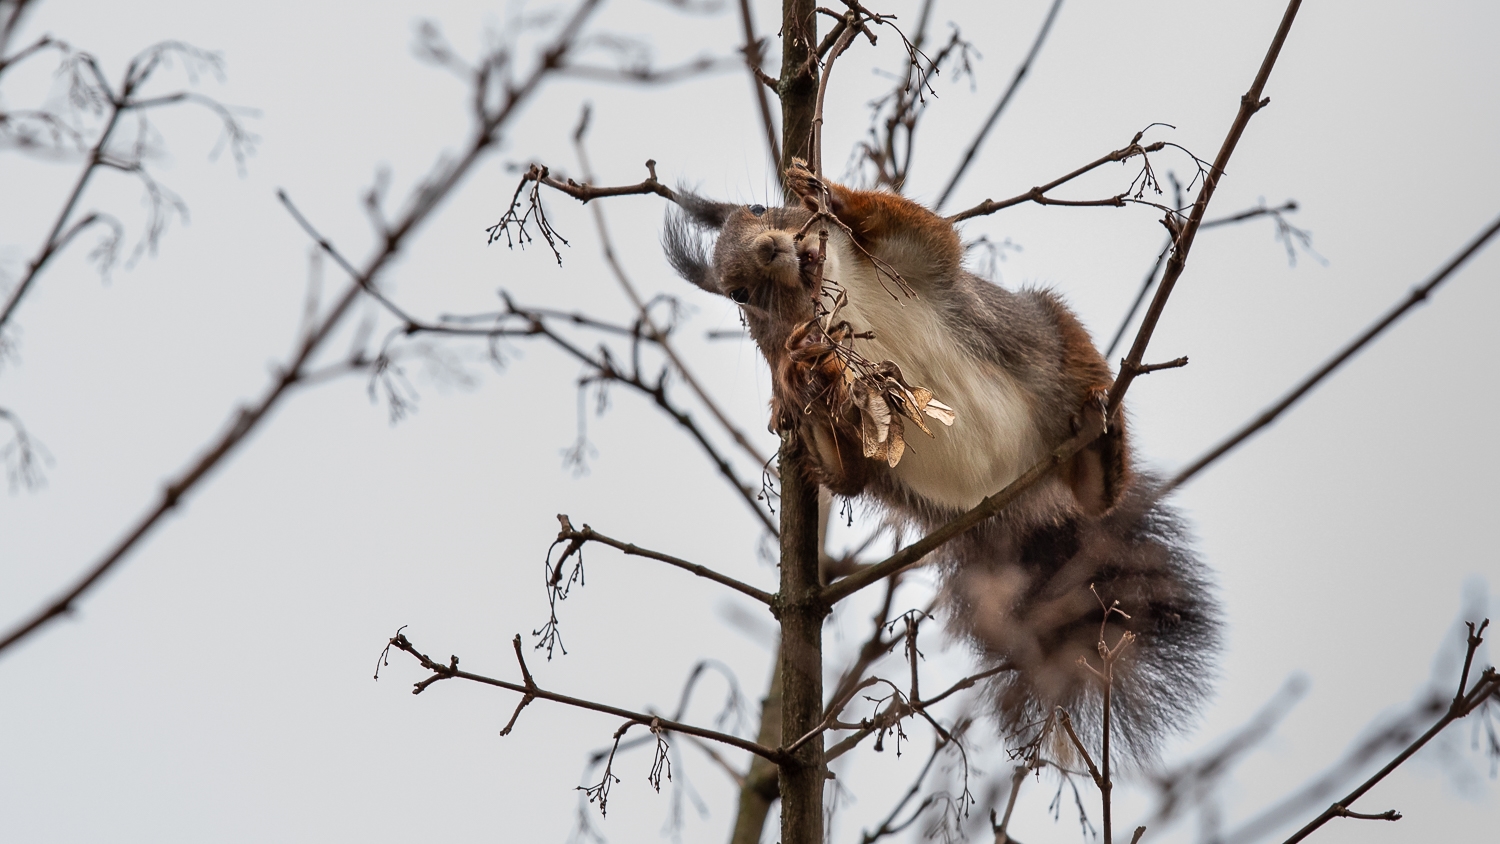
x,y
993,438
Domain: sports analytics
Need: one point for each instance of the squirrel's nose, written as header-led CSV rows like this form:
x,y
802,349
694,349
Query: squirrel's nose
x,y
766,249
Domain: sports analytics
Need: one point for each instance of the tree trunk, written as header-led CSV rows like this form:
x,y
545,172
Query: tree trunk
x,y
802,612
798,86
794,704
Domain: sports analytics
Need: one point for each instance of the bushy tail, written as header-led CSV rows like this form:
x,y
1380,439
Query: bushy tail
x,y
1037,598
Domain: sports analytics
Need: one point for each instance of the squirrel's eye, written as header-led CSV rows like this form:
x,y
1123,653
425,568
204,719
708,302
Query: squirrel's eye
x,y
740,294
757,210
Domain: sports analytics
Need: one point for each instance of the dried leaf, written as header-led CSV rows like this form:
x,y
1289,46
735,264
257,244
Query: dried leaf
x,y
874,418
910,407
939,411
897,444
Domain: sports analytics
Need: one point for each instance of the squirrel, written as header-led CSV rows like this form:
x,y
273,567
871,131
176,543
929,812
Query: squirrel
x,y
861,304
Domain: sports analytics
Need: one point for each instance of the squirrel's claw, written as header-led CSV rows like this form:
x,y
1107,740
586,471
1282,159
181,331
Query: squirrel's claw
x,y
804,184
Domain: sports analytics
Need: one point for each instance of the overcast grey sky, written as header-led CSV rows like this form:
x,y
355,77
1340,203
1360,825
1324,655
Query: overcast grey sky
x,y
217,687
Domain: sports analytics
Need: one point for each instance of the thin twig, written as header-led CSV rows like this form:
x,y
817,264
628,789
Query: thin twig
x,y
1465,702
757,76
54,241
1001,829
900,707
534,325
531,686
1150,279
1250,103
874,647
654,332
1010,91
1417,296
1166,249
1038,194
450,670
586,192
1148,368
245,419
1067,725
1251,213
588,534
137,74
851,28
889,825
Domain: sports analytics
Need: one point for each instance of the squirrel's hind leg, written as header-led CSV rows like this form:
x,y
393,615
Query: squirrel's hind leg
x,y
1100,472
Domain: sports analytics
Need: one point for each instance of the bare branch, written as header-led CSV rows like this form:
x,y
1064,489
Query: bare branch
x,y
99,93
901,704
653,331
1417,296
43,43
851,28
892,143
1148,368
527,698
1001,825
533,324
1464,702
1250,103
1151,274
1261,210
1285,232
607,369
588,534
54,241
1038,194
1010,91
1067,725
245,419
968,683
874,647
450,670
759,81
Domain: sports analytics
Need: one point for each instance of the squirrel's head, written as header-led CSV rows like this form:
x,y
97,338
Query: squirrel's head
x,y
757,260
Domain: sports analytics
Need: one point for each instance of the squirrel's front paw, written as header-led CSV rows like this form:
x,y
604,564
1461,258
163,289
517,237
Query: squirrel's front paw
x,y
803,183
1093,411
811,372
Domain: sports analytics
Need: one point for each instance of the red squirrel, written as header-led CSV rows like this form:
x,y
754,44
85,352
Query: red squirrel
x,y
878,326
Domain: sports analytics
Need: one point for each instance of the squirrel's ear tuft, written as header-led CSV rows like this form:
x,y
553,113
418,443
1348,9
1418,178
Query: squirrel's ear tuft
x,y
705,213
687,251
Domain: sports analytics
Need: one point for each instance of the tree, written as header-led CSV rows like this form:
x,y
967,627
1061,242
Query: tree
x,y
389,355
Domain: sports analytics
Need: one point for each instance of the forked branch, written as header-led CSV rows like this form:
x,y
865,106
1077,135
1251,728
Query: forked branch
x,y
1465,701
451,671
1039,194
